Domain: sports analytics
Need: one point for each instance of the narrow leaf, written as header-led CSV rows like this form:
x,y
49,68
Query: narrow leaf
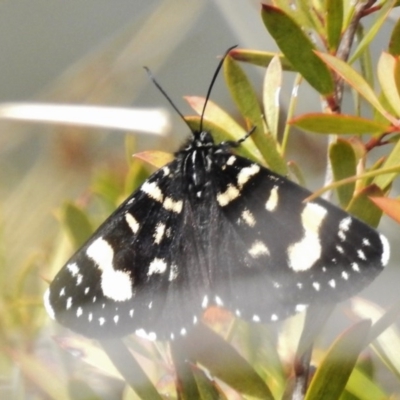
x,y
390,207
394,42
260,58
130,369
344,163
355,80
332,375
373,30
393,160
387,66
246,100
338,123
156,158
225,363
334,23
272,88
297,48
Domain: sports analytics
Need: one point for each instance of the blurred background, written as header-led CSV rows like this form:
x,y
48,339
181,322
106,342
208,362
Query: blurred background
x,y
93,52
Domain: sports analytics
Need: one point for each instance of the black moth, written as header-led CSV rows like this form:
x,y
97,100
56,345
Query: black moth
x,y
212,228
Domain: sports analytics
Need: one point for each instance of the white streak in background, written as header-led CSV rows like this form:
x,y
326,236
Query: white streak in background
x,y
154,121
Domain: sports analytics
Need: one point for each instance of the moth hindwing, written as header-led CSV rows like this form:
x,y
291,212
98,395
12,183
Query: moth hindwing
x,y
212,228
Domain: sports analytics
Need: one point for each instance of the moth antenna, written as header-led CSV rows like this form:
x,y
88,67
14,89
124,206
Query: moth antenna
x,y
212,85
163,92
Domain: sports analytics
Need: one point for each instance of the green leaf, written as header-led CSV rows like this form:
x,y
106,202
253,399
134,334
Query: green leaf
x,y
355,80
297,48
381,17
260,58
338,123
130,369
387,67
225,363
333,373
334,23
344,163
246,100
394,42
271,90
77,224
363,208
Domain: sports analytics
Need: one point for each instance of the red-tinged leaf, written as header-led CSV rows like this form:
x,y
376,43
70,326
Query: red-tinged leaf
x,y
333,373
156,158
391,207
297,48
260,58
387,67
218,117
338,123
355,80
344,163
394,42
334,23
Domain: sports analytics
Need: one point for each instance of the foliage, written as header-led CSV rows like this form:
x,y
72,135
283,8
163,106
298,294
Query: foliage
x,y
226,358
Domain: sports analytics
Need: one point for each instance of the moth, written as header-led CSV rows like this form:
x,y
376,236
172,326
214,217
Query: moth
x,y
212,228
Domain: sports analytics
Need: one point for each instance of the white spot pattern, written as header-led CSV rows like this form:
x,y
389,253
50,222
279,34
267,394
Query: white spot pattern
x,y
132,223
157,266
273,199
258,249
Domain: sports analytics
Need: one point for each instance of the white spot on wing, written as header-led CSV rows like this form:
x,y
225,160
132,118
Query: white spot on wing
x,y
238,313
131,311
303,254
79,312
183,332
332,283
152,189
345,275
366,242
385,250
90,317
274,317
273,199
361,255
231,193
246,173
159,233
355,267
116,285
204,303
79,279
69,303
143,334
116,319
157,266
171,205
132,223
255,318
316,286
47,305
231,160
248,218
301,307
258,249
166,171
62,292
73,268
102,321
218,301
173,273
